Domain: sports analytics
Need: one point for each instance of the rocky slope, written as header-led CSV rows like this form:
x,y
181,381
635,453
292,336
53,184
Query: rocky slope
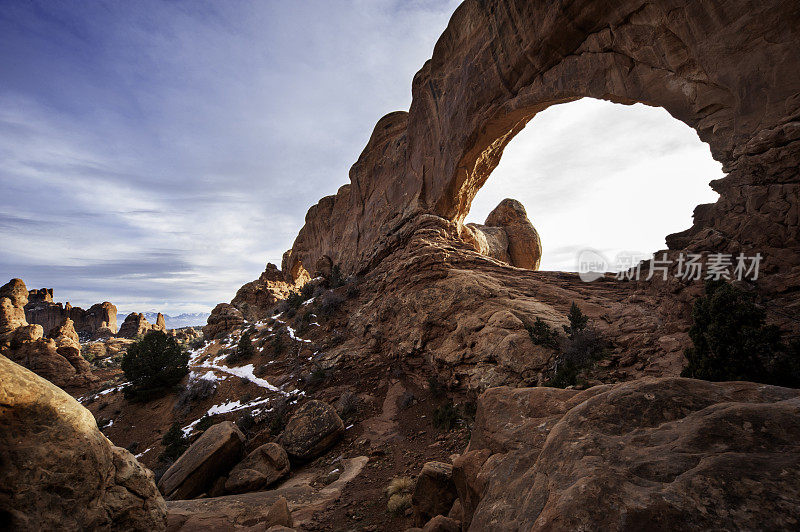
x,y
661,454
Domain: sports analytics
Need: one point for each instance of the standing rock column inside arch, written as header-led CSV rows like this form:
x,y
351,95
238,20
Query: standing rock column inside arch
x,y
729,69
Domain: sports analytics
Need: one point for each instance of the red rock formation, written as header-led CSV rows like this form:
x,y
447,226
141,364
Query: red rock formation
x,y
58,360
255,299
726,72
253,302
672,454
99,320
508,235
136,324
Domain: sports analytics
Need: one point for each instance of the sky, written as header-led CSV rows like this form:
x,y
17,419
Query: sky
x,y
156,154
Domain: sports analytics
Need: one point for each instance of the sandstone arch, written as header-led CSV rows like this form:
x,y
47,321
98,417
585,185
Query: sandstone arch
x,y
727,69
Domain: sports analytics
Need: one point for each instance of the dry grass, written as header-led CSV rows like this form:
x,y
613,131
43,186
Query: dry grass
x,y
400,485
399,493
398,503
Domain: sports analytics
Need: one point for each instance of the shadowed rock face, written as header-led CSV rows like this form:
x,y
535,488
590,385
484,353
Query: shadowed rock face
x,y
727,70
656,454
58,470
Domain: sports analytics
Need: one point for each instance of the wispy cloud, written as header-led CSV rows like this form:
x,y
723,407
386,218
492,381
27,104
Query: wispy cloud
x,y
155,154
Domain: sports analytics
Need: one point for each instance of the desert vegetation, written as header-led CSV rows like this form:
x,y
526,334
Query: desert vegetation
x,y
731,340
154,365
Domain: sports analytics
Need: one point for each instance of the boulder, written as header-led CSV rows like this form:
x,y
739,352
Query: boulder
x,y
224,319
434,492
58,470
262,467
279,514
466,471
508,235
441,523
211,456
666,453
311,430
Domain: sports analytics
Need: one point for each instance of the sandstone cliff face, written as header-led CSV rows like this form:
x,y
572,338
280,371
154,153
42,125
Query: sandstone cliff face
x,y
722,71
99,320
59,472
58,360
657,454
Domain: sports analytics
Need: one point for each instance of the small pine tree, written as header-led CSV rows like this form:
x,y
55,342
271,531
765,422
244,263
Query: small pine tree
x,y
154,364
577,320
175,444
731,341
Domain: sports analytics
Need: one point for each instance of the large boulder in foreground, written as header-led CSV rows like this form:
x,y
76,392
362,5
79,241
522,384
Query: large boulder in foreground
x,y
264,466
657,454
210,457
58,471
311,430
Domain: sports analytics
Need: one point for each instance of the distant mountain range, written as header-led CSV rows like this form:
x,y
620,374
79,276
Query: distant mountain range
x,y
196,319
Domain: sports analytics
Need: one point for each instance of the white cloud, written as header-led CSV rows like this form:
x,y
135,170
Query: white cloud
x,y
592,174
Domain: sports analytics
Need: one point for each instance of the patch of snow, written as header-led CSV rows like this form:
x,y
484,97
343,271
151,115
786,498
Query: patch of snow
x,y
137,456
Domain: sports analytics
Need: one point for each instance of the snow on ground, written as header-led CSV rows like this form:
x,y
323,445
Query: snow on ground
x,y
227,407
143,453
245,372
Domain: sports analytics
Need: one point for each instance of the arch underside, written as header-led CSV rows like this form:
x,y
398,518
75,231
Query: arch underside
x,y
730,71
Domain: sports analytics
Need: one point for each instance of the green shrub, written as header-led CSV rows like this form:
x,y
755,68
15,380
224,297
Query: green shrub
x,y
542,334
154,364
175,444
317,376
245,422
278,344
244,349
732,342
577,320
277,416
307,292
294,300
579,350
330,303
398,503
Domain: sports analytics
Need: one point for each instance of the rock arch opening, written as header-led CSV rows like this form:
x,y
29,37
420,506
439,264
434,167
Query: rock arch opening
x,y
594,174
